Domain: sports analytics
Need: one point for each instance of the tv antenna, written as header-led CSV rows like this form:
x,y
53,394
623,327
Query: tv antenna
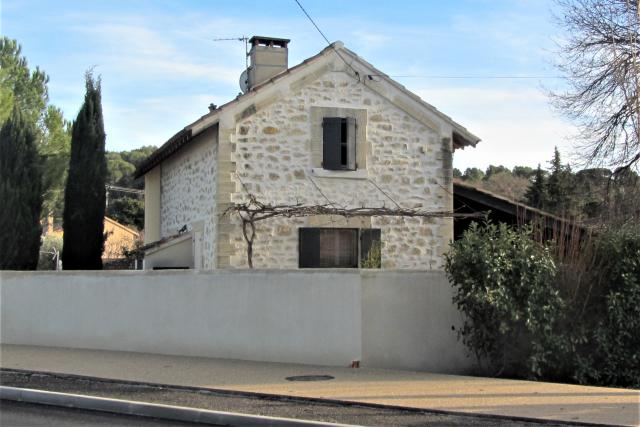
x,y
244,39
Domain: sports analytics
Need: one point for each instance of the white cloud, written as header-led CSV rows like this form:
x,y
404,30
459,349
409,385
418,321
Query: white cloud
x,y
161,71
516,124
150,121
141,51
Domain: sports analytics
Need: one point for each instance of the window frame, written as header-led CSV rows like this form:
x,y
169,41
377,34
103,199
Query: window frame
x,y
359,235
317,114
339,143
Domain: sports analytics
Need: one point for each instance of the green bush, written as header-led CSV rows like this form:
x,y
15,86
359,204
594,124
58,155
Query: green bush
x,y
373,259
528,316
503,284
609,343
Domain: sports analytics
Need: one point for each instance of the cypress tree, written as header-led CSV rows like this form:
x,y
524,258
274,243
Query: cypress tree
x,y
84,201
558,186
20,193
536,194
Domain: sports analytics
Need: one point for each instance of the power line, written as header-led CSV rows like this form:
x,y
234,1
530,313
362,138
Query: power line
x,y
416,76
383,192
320,191
327,40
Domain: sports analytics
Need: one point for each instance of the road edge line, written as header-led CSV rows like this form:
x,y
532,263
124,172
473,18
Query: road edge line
x,y
153,410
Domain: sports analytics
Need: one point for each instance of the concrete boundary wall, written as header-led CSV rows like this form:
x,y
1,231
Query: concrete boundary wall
x,y
384,319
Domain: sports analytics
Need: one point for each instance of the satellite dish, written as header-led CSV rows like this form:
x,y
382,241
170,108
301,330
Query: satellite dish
x,y
244,82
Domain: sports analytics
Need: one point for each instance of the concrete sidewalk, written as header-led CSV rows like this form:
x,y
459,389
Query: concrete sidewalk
x,y
538,400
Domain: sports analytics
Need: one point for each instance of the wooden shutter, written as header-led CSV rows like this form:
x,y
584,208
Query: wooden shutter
x,y
351,143
331,139
309,248
370,238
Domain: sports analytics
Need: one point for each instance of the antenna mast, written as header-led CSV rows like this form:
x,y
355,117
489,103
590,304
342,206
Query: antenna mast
x,y
244,39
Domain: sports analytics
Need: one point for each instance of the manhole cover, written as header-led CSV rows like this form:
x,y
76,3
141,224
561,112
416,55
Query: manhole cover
x,y
310,378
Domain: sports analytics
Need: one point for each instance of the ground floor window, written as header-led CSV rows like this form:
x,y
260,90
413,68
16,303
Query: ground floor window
x,y
339,248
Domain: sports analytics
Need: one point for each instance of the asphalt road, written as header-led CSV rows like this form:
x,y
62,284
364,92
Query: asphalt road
x,y
18,414
243,403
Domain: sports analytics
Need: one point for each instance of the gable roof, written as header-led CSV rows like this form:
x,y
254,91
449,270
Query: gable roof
x,y
461,136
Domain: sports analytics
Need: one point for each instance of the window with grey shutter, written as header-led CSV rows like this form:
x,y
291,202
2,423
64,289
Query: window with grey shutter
x,y
339,143
309,248
332,143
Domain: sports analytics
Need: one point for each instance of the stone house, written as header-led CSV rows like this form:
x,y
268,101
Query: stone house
x,y
332,129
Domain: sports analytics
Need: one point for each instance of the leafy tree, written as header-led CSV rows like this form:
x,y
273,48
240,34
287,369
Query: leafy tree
x,y
123,164
84,202
27,90
624,198
591,192
523,171
600,59
592,196
55,150
457,173
536,195
473,174
138,155
21,194
127,211
118,169
494,170
121,167
6,95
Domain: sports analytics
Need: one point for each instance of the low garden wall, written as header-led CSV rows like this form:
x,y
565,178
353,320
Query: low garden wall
x,y
386,319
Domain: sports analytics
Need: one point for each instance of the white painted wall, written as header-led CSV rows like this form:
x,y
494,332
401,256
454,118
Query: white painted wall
x,y
177,253
384,319
407,321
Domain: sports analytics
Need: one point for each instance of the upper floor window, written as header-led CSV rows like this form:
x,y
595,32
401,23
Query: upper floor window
x,y
339,143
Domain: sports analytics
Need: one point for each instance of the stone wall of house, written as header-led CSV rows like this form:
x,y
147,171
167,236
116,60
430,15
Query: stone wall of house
x,y
406,163
188,188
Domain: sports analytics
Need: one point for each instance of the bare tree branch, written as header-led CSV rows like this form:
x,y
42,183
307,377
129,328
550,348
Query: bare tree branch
x,y
600,60
253,211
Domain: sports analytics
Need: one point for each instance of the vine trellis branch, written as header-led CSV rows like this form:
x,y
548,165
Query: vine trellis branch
x,y
253,211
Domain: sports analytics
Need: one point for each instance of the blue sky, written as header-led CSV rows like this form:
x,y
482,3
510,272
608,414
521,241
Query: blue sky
x,y
160,68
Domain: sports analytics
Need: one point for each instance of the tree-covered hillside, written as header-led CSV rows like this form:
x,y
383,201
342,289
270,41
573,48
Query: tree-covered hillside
x,y
126,207
594,195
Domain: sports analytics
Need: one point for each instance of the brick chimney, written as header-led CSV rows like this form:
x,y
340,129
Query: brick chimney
x,y
268,56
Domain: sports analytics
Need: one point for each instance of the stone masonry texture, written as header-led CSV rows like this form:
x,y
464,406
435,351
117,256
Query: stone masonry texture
x,y
188,185
272,153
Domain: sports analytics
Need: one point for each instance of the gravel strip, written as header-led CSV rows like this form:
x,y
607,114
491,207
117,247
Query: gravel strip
x,y
244,403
